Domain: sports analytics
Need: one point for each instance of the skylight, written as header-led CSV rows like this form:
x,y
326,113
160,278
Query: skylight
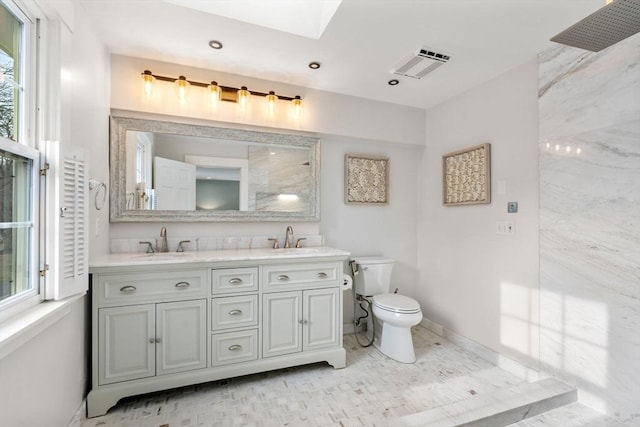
x,y
307,18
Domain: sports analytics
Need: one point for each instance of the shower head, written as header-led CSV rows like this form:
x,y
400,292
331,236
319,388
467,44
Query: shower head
x,y
608,25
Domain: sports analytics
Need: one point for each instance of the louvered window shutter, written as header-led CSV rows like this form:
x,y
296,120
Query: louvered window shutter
x,y
72,218
68,216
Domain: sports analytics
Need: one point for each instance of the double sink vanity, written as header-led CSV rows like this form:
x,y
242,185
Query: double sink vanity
x,y
164,320
171,319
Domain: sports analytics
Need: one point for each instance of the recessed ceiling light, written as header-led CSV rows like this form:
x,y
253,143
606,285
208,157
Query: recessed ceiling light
x,y
215,44
393,82
314,65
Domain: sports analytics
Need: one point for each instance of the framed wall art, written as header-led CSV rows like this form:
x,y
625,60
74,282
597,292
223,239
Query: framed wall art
x,y
466,176
366,179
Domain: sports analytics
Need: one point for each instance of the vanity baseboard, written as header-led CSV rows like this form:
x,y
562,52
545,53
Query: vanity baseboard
x,y
100,400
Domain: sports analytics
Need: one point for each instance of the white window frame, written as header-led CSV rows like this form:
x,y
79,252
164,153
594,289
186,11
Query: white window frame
x,y
33,295
27,146
144,146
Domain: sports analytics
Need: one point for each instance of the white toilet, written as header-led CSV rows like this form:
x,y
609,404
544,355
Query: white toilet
x,y
394,314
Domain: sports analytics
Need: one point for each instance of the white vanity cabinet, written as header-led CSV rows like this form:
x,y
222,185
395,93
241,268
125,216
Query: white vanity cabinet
x,y
160,325
141,341
305,319
234,315
300,321
150,323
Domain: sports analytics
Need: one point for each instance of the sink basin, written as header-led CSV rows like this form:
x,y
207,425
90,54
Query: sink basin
x,y
299,251
158,256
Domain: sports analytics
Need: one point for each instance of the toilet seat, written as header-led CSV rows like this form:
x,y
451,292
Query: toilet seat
x,y
396,303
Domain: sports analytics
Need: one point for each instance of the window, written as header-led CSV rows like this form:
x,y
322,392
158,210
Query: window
x,y
18,217
19,163
11,73
144,148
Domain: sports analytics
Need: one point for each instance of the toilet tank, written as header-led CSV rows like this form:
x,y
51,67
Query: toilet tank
x,y
374,275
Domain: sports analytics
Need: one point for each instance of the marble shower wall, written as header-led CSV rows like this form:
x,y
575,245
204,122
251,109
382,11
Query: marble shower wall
x,y
589,110
273,172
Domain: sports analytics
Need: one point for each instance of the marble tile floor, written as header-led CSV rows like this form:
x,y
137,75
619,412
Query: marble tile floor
x,y
572,415
372,390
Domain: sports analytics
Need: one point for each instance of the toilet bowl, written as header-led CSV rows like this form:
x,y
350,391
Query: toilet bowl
x,y
396,314
393,314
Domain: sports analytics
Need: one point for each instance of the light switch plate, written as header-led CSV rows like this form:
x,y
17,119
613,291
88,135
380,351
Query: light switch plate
x,y
505,227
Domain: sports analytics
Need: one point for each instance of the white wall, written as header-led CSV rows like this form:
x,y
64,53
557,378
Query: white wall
x,y
472,281
344,124
373,230
322,112
332,117
44,381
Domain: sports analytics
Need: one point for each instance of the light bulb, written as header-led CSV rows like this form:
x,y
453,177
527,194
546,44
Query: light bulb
x,y
243,97
183,86
214,94
297,106
148,79
271,102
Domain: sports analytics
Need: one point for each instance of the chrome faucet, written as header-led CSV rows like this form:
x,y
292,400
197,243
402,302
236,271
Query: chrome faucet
x,y
162,246
288,242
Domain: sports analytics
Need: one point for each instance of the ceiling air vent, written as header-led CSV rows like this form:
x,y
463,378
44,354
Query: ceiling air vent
x,y
420,63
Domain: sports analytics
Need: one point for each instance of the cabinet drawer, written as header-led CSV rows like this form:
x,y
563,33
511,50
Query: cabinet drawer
x,y
234,347
286,276
230,280
234,312
146,286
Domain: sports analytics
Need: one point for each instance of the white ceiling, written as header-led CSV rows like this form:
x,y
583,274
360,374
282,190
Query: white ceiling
x,y
359,47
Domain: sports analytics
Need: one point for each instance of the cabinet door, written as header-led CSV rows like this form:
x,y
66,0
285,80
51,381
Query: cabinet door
x,y
281,326
181,336
320,318
126,343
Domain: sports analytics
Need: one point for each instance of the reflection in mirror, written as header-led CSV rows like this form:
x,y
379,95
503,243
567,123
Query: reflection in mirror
x,y
162,170
221,183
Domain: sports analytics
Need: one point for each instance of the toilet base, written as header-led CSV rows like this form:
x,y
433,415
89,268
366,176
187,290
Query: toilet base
x,y
396,342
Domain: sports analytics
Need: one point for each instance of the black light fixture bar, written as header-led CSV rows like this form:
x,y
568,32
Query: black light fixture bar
x,y
224,88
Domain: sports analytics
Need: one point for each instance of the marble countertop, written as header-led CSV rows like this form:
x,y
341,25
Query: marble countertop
x,y
227,255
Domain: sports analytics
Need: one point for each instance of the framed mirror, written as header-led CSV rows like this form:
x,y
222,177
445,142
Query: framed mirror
x,y
164,171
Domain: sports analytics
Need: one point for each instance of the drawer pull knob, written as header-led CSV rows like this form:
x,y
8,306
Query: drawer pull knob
x,y
235,281
127,289
151,341
182,285
235,312
235,347
322,275
283,277
303,322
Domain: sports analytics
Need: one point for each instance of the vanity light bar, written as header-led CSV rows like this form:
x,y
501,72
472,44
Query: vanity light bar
x,y
228,93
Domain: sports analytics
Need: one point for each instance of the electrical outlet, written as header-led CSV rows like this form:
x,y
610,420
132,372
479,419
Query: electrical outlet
x,y
505,227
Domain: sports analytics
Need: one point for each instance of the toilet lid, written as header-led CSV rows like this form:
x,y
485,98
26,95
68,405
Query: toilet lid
x,y
396,303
